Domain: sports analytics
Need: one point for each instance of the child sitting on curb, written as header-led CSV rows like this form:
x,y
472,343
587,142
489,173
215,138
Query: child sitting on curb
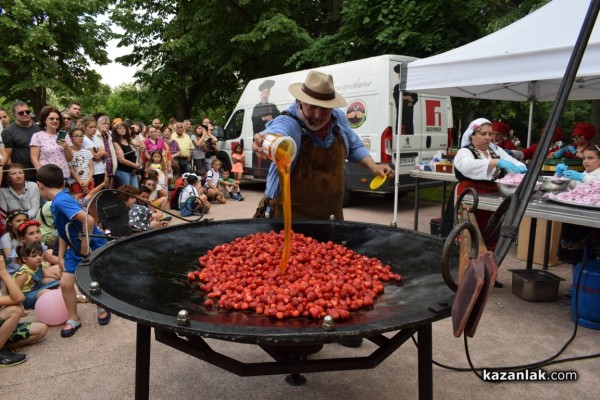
x,y
213,191
231,186
192,200
140,216
29,277
12,332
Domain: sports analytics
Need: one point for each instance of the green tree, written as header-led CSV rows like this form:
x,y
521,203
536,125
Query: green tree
x,y
200,54
134,102
47,45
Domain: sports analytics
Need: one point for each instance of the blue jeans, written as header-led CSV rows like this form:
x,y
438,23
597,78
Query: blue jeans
x,y
126,178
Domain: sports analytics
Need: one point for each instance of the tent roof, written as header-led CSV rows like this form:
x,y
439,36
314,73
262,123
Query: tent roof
x,y
523,61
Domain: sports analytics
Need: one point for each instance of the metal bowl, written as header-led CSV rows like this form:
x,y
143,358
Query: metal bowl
x,y
506,189
553,184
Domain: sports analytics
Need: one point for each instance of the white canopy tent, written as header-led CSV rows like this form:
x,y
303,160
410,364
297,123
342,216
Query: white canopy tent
x,y
524,61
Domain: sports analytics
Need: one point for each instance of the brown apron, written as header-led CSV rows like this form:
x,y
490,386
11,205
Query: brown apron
x,y
317,181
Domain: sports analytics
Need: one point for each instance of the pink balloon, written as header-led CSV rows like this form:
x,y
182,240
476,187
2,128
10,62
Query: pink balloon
x,y
50,308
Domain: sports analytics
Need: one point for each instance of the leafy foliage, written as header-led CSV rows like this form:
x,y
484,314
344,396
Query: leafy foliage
x,y
47,46
196,56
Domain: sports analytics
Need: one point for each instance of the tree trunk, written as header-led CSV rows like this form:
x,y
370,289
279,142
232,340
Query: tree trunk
x,y
37,99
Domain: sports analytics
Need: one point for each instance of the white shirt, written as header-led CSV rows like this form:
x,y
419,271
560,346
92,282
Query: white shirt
x,y
186,193
477,169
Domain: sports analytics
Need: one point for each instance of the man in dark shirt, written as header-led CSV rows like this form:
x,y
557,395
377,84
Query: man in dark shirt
x,y
262,113
409,99
17,136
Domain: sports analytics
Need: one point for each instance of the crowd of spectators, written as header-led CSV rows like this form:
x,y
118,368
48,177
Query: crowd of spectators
x,y
92,153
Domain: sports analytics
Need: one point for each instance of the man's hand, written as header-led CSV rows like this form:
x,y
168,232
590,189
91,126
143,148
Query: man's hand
x,y
257,146
384,169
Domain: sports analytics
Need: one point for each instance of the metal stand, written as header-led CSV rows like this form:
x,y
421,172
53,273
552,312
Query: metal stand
x,y
142,362
531,246
425,362
197,347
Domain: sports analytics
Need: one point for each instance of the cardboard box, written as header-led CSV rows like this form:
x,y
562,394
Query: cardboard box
x,y
443,167
540,241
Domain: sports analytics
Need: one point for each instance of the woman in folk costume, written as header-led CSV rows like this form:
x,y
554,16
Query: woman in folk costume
x,y
582,135
479,163
527,153
500,137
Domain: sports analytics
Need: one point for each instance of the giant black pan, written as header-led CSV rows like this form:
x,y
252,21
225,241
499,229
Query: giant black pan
x,y
143,278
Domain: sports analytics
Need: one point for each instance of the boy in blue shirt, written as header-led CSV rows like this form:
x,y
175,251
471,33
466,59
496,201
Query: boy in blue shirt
x,y
64,210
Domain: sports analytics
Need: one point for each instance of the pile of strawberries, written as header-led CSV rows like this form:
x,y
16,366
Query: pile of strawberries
x,y
321,279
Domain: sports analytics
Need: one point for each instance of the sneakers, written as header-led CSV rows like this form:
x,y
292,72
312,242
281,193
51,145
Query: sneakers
x,y
8,358
237,197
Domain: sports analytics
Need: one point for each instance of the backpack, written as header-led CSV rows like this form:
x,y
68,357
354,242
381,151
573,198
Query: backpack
x,y
174,200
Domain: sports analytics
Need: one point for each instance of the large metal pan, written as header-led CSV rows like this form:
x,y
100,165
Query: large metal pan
x,y
143,278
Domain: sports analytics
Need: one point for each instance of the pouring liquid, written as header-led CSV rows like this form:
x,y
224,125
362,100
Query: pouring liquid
x,y
283,161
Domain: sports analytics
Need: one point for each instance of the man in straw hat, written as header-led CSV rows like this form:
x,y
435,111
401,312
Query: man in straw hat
x,y
324,140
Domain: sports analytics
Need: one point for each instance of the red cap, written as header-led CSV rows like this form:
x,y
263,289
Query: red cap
x,y
588,131
500,126
558,134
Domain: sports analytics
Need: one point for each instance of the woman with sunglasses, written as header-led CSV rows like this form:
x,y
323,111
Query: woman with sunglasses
x,y
47,147
67,121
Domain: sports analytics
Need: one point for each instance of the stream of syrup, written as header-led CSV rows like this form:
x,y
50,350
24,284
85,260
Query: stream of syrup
x,y
283,161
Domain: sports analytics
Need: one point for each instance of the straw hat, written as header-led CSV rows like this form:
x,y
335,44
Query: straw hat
x,y
317,90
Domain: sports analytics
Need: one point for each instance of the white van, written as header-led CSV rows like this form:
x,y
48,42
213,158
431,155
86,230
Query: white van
x,y
368,87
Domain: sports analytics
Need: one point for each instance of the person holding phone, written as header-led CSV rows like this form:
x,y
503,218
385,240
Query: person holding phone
x,y
51,146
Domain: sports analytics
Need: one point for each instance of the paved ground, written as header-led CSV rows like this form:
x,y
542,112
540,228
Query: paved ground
x,y
99,362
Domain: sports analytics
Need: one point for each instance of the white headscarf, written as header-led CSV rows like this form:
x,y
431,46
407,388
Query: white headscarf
x,y
474,125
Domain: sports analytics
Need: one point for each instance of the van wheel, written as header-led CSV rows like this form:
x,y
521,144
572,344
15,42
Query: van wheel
x,y
347,198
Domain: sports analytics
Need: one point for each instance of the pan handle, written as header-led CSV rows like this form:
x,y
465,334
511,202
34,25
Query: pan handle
x,y
448,246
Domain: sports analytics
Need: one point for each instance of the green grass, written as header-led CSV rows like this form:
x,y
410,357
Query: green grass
x,y
433,195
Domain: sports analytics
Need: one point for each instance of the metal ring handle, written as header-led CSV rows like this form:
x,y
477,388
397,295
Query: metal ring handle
x,y
70,240
445,266
461,197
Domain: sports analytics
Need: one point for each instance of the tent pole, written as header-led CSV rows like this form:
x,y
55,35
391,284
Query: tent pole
x,y
397,161
530,123
520,199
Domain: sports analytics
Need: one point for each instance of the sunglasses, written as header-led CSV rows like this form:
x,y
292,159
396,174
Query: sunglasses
x,y
24,112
